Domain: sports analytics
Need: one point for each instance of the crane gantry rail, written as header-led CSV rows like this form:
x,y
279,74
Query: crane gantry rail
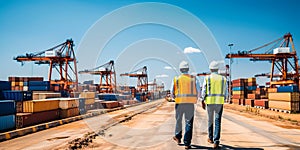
x,y
107,77
62,58
284,62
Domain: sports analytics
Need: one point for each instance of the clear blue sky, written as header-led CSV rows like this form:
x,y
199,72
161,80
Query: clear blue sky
x,y
35,25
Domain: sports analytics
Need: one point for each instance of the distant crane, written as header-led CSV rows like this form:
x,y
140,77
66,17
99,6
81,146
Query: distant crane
x,y
142,76
107,77
282,59
62,58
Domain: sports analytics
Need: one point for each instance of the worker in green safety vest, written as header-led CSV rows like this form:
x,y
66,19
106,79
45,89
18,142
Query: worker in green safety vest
x,y
214,92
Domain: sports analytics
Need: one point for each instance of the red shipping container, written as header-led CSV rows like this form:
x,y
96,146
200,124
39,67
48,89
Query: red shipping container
x,y
29,119
249,102
262,103
238,96
253,96
236,101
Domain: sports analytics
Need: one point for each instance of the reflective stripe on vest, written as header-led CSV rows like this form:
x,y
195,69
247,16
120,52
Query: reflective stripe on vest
x,y
185,89
215,89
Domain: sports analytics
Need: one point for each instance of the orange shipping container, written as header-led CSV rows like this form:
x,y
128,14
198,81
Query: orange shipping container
x,y
40,105
284,96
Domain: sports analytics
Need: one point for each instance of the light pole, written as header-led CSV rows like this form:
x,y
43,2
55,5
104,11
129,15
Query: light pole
x,y
229,85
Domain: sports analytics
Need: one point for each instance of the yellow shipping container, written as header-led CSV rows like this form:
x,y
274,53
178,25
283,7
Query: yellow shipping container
x,y
13,83
272,90
288,96
251,79
40,105
89,101
284,105
238,92
37,96
87,94
67,103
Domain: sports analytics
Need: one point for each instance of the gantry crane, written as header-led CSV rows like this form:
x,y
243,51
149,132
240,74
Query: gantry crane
x,y
154,85
62,58
107,77
226,73
284,61
142,76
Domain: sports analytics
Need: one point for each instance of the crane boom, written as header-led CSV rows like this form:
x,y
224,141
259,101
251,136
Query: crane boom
x,y
141,74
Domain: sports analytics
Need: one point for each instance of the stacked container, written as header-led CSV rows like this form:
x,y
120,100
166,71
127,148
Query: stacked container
x,y
238,91
7,115
251,92
285,99
38,111
22,83
89,99
68,107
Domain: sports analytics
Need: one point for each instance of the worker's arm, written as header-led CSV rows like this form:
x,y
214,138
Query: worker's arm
x,y
172,90
203,93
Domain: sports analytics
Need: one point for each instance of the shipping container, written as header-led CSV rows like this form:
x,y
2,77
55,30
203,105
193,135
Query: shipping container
x,y
7,122
67,103
66,113
29,119
253,96
236,101
249,102
5,85
284,96
89,101
38,83
7,107
37,96
251,88
17,95
40,105
241,88
39,88
262,103
238,96
284,105
292,88
108,96
87,95
272,90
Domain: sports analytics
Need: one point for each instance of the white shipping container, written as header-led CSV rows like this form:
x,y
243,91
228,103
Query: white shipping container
x,y
50,53
279,50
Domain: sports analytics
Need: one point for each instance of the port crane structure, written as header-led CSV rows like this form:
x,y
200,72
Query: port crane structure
x,y
142,78
284,63
107,74
62,59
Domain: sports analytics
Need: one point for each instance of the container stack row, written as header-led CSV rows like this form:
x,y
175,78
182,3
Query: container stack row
x,y
284,98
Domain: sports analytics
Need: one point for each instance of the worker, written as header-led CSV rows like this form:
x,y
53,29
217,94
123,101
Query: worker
x,y
213,96
185,91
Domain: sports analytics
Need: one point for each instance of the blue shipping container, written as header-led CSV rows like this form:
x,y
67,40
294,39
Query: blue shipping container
x,y
17,95
38,83
7,123
251,88
292,88
5,85
39,88
108,97
7,107
239,88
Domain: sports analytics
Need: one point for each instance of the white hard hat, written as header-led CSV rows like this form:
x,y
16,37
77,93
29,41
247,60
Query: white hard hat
x,y
184,65
214,65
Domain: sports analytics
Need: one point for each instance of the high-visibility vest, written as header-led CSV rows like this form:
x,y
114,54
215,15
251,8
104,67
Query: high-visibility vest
x,y
215,89
185,89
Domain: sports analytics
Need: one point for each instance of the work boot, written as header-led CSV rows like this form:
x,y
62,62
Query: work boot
x,y
216,146
210,141
176,140
187,147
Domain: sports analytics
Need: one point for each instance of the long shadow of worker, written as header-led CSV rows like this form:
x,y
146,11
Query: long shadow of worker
x,y
222,146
